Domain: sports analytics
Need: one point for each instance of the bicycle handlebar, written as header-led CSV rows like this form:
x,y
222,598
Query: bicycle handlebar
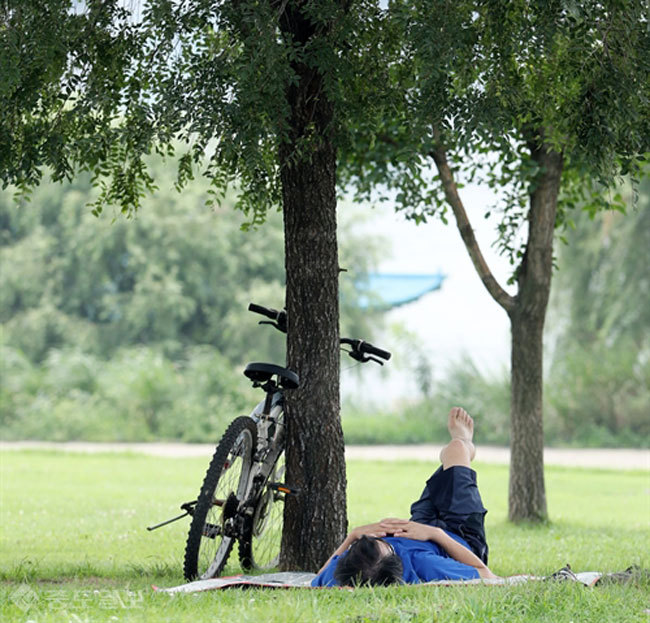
x,y
264,311
279,318
361,350
366,348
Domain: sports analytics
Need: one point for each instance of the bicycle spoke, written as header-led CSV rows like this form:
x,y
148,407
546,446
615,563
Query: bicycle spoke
x,y
262,546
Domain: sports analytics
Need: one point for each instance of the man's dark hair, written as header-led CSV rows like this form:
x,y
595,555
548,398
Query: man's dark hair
x,y
363,564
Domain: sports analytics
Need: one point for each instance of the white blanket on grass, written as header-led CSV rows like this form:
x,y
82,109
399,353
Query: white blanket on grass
x,y
293,579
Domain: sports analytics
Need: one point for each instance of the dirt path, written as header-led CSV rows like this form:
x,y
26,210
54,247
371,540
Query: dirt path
x,y
571,457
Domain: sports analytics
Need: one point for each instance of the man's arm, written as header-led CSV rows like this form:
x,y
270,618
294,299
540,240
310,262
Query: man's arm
x,y
422,532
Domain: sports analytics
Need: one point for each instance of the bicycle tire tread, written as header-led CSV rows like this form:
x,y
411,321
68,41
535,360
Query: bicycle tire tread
x,y
209,485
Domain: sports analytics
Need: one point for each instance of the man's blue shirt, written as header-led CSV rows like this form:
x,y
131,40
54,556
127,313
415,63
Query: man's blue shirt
x,y
423,561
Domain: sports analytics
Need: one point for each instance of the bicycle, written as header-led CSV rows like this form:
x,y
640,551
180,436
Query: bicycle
x,y
243,492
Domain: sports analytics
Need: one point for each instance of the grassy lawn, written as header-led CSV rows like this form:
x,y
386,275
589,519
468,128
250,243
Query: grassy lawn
x,y
74,546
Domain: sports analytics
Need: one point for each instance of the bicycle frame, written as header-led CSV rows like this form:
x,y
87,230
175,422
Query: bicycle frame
x,y
270,444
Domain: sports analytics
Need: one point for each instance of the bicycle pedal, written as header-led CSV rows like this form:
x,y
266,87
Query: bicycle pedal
x,y
282,488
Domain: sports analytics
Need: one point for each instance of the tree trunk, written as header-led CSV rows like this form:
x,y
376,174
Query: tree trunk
x,y
527,496
315,521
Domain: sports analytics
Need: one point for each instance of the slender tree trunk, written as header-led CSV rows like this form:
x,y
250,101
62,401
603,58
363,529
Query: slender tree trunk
x,y
527,494
316,519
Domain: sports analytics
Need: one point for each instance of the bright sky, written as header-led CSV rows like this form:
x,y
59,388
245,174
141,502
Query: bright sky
x,y
459,318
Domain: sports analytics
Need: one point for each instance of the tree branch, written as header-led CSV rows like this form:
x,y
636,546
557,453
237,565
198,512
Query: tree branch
x,y
504,299
537,265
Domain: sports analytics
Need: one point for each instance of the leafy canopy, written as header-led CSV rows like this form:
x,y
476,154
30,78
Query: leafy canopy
x,y
95,86
491,81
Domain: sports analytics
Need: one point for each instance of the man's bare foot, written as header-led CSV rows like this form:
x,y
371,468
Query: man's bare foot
x,y
461,426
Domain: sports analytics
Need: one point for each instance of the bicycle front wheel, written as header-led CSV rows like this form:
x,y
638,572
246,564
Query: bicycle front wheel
x,y
225,486
259,547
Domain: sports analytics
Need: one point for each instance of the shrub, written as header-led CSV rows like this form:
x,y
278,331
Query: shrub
x,y
138,395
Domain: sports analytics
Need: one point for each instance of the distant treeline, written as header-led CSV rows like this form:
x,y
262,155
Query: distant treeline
x,y
116,329
598,330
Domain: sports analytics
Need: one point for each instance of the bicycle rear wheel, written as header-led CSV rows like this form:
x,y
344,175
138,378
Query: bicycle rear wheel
x,y
225,486
259,547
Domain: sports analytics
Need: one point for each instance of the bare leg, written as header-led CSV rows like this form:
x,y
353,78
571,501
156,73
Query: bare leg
x,y
460,450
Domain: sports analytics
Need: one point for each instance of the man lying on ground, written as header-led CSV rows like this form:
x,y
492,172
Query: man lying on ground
x,y
443,540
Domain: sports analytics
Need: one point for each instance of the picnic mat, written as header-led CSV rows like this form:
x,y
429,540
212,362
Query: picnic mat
x,y
294,579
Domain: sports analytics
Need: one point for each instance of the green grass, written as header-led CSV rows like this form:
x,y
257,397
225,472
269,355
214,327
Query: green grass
x,y
73,541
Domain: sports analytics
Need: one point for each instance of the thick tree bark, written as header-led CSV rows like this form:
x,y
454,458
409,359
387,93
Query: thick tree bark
x,y
527,494
527,312
315,521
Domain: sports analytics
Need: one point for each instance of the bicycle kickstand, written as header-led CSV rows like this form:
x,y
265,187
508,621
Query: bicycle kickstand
x,y
188,507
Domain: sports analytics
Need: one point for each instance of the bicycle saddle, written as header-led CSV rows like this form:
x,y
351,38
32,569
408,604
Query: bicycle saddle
x,y
262,372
